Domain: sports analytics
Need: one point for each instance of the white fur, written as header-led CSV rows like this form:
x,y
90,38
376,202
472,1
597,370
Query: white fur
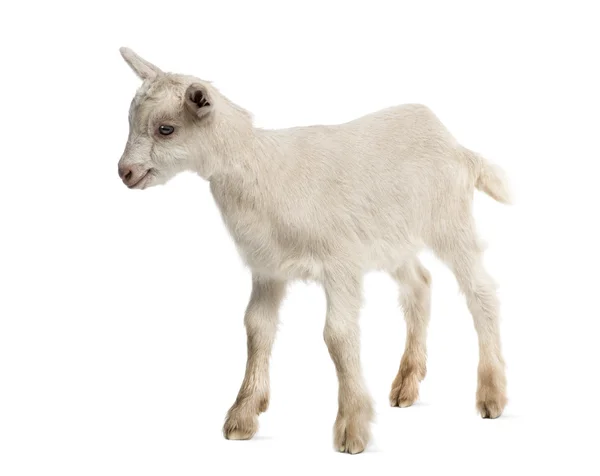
x,y
328,203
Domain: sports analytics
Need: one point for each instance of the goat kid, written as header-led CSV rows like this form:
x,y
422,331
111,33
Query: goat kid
x,y
327,203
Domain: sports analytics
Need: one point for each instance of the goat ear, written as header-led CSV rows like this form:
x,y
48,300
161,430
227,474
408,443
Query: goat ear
x,y
144,69
197,100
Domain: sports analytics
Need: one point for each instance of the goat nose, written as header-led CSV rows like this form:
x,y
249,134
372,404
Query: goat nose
x,y
125,173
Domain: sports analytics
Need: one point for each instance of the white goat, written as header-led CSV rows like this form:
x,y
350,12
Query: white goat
x,y
327,203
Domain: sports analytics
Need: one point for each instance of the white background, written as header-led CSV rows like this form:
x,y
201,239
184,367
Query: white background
x,y
121,337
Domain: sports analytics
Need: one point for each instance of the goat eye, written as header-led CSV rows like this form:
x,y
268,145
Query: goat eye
x,y
166,130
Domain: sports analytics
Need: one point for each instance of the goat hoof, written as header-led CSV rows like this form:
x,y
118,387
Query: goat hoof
x,y
405,391
239,426
490,401
351,434
491,408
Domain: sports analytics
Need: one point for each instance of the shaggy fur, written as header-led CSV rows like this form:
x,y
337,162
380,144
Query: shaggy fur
x,y
328,203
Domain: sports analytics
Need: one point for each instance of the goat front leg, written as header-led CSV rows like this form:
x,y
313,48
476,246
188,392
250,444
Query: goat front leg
x,y
342,336
261,320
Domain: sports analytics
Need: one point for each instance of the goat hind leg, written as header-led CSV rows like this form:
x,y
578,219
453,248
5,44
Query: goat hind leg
x,y
414,281
464,256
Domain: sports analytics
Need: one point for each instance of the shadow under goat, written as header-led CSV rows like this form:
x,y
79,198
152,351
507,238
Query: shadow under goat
x,y
328,203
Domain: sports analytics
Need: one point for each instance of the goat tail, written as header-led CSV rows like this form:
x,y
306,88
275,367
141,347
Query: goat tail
x,y
489,177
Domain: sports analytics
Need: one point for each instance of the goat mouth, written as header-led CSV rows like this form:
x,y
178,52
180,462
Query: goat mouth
x,y
141,182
